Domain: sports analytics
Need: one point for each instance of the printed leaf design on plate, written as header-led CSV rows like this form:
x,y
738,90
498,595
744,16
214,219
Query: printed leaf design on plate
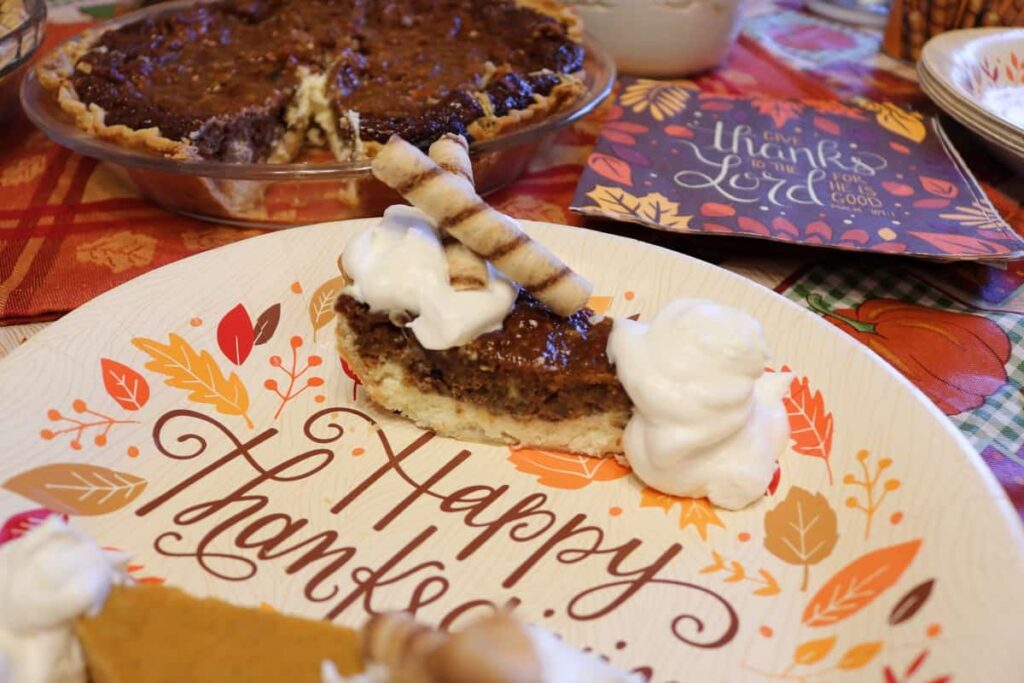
x,y
77,488
198,374
875,490
911,603
960,244
565,470
857,584
696,512
321,304
930,203
810,423
779,111
801,530
235,335
654,208
266,325
736,572
939,187
611,168
20,524
859,656
813,651
125,385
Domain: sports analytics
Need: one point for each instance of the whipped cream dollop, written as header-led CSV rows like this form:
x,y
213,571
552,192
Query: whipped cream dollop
x,y
48,578
398,265
559,663
708,421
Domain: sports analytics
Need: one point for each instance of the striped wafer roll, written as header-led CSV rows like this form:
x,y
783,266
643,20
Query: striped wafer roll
x,y
453,204
466,270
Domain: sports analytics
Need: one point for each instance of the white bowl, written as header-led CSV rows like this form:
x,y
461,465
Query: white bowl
x,y
663,37
983,69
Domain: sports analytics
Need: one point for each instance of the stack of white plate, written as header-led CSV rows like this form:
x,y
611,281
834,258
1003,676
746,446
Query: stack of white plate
x,y
977,77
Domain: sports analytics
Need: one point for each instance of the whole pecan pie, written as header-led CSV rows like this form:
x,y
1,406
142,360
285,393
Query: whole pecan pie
x,y
262,80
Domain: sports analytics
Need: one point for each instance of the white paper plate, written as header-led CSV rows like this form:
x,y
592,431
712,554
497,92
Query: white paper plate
x,y
887,551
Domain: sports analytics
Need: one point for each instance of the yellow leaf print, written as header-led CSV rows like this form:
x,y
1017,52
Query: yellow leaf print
x,y
908,124
654,208
696,512
118,252
813,650
196,373
860,655
321,304
661,99
23,171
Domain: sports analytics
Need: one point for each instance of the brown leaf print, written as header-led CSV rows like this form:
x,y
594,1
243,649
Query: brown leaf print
x,y
76,488
321,305
911,603
266,325
801,530
118,252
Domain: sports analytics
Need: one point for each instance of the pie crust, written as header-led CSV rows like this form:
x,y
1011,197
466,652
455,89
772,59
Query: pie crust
x,y
55,73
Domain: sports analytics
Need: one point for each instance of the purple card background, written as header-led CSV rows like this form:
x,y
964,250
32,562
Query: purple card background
x,y
866,176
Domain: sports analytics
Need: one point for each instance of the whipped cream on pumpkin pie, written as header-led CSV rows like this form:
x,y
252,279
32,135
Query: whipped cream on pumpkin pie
x,y
48,578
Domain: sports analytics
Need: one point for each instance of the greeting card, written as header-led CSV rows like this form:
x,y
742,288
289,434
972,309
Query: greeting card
x,y
864,175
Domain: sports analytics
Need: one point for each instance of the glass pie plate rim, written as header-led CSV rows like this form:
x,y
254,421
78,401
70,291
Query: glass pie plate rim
x,y
44,111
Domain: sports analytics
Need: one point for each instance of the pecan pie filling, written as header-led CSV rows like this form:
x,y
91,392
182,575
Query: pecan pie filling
x,y
551,367
222,76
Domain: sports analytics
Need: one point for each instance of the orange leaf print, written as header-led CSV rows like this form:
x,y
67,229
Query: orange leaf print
x,y
813,651
77,488
321,305
810,424
565,470
696,512
198,374
612,168
859,656
939,187
126,386
857,584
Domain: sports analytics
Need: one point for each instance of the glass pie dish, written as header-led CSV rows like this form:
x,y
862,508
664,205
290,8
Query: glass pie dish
x,y
18,44
281,195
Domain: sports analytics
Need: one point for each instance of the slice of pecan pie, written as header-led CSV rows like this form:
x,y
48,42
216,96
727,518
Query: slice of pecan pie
x,y
541,379
260,80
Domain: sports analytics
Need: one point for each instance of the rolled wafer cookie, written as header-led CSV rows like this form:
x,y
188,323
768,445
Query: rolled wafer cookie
x,y
466,270
454,205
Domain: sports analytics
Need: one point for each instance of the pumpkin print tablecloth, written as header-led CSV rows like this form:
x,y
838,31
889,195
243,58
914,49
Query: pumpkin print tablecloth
x,y
69,230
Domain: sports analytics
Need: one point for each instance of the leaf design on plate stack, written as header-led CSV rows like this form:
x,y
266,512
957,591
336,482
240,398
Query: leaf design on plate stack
x,y
801,530
196,373
565,470
235,335
266,325
857,584
611,168
321,305
125,385
77,488
911,603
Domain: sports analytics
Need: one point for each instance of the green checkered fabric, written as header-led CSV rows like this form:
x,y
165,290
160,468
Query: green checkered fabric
x,y
1000,421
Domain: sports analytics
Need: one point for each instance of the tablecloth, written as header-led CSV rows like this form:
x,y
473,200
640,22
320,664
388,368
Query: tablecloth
x,y
70,229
